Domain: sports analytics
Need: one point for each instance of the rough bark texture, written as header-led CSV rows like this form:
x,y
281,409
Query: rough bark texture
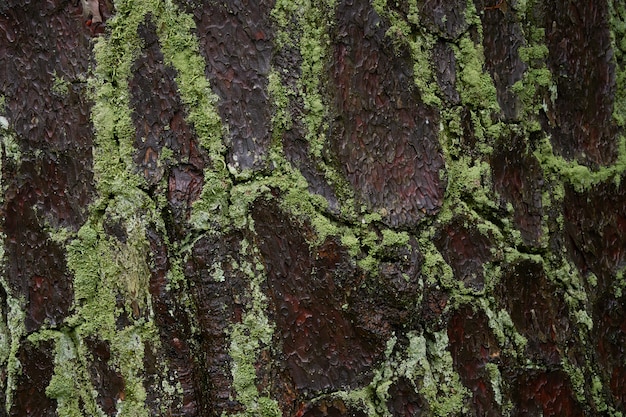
x,y
297,208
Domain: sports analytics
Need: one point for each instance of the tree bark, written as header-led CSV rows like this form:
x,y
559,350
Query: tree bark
x,y
297,208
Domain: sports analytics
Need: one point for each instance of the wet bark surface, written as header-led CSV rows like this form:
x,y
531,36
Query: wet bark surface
x,y
583,112
363,242
384,136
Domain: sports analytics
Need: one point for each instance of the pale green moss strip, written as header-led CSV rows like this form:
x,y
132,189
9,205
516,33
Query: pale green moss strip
x,y
617,11
427,364
314,21
420,44
13,330
10,336
314,42
247,338
103,266
71,384
180,48
580,176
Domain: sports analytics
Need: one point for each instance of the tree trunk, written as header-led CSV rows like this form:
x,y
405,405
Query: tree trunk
x,y
298,208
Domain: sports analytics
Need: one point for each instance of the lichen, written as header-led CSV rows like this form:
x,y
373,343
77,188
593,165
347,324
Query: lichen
x,y
496,381
536,85
70,385
577,379
9,145
434,268
105,268
475,86
503,328
313,44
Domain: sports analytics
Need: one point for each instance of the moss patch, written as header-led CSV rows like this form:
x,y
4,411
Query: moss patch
x,y
247,338
14,329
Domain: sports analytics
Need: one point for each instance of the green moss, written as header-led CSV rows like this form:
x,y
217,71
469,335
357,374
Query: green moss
x,y
434,268
247,339
577,379
427,364
534,52
71,384
474,84
580,176
127,348
442,387
419,42
213,206
503,329
180,49
375,247
105,268
11,335
10,146
496,381
281,118
351,242
285,14
617,12
314,41
469,189
596,394
393,238
60,85
583,319
314,21
13,329
619,283
536,86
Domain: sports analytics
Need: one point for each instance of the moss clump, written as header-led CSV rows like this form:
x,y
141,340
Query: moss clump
x,y
503,329
281,118
475,85
60,86
434,268
9,144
